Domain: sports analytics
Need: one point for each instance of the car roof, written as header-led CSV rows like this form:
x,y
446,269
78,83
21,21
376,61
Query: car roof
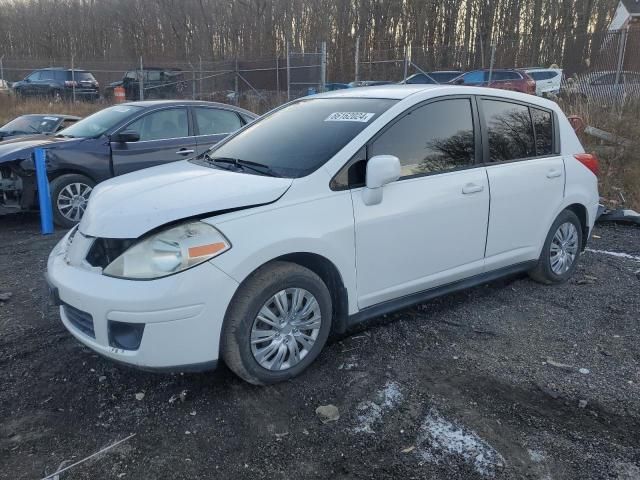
x,y
425,92
160,103
391,92
62,69
64,117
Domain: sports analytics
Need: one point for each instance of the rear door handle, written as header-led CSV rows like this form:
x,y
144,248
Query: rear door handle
x,y
185,151
554,173
470,188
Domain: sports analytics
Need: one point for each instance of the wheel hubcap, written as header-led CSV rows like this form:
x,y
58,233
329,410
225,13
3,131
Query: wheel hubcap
x,y
72,201
564,248
285,329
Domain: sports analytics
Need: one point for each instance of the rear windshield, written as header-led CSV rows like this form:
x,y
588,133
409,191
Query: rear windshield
x,y
296,140
100,122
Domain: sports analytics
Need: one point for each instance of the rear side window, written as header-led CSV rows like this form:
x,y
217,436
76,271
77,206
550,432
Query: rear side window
x,y
474,77
212,121
163,124
543,125
502,75
510,131
435,138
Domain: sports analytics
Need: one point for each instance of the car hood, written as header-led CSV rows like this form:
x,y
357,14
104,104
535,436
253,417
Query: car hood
x,y
20,148
133,204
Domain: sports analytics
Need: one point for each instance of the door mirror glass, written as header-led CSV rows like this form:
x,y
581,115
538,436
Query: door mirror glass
x,y
126,136
381,170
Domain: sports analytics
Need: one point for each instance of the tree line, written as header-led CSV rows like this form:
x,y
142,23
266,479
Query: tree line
x,y
439,33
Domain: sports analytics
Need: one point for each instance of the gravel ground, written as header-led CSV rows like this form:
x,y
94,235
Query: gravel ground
x,y
508,380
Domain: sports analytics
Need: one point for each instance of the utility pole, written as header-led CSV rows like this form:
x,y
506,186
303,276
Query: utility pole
x,y
278,77
288,75
73,79
357,59
491,61
2,68
406,64
141,80
200,81
323,67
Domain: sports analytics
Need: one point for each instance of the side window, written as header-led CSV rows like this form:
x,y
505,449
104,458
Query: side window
x,y
607,79
170,123
510,131
34,77
131,75
474,77
431,139
212,121
543,125
47,75
67,122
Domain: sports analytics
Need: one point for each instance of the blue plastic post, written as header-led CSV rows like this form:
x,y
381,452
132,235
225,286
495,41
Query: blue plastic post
x,y
44,197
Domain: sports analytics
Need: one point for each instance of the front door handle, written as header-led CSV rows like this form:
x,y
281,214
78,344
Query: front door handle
x,y
554,173
185,151
470,188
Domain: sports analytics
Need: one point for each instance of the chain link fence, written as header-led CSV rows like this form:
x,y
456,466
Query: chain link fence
x,y
600,66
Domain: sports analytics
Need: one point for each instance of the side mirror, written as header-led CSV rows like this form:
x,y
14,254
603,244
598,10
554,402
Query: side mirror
x,y
126,136
381,170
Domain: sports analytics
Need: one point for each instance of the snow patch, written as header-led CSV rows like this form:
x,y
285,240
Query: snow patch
x,y
438,438
372,411
536,456
615,254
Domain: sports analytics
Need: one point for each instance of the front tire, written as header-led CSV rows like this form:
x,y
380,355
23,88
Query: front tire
x,y
561,250
69,197
276,324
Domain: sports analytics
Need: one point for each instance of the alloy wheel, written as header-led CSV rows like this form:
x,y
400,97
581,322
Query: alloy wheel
x,y
72,200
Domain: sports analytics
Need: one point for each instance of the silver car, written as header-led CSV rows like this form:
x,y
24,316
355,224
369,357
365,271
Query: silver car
x,y
608,86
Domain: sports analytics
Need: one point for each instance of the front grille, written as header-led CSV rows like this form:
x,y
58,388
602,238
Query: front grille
x,y
83,321
106,250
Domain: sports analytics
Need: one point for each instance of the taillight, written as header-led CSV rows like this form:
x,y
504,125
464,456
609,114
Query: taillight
x,y
590,161
532,86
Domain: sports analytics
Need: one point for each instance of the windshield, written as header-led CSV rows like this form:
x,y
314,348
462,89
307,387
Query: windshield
x,y
299,138
98,123
31,124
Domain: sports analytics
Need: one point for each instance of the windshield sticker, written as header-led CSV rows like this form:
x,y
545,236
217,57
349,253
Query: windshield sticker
x,y
51,118
349,117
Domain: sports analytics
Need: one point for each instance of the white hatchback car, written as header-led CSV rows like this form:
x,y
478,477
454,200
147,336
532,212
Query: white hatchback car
x,y
548,80
325,212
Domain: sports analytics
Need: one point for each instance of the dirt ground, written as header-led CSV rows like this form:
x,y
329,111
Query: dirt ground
x,y
508,380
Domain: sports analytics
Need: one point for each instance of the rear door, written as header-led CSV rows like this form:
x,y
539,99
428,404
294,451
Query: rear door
x,y
431,226
166,135
526,178
212,125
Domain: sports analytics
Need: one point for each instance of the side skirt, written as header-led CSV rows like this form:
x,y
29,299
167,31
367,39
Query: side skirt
x,y
420,297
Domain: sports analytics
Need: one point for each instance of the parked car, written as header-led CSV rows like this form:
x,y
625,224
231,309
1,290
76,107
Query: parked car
x,y
505,79
548,80
157,83
26,125
59,83
369,83
607,86
443,76
323,213
113,141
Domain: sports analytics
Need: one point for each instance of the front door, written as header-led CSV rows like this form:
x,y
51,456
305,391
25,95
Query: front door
x,y
430,228
165,136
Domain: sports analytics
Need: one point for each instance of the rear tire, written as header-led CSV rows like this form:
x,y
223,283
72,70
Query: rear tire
x,y
69,197
561,250
293,339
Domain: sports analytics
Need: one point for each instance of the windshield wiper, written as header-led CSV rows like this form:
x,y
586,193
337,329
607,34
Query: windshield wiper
x,y
260,168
